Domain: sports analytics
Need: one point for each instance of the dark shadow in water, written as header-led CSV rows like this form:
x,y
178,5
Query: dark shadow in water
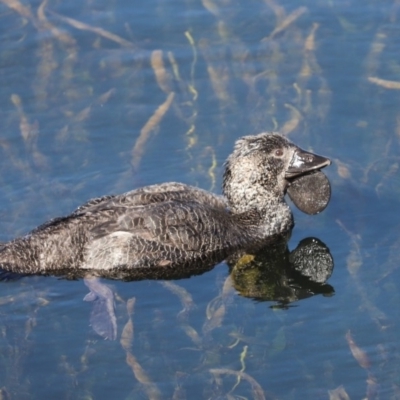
x,y
277,274
271,274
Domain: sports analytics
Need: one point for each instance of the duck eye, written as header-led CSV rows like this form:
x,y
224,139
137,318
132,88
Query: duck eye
x,y
279,153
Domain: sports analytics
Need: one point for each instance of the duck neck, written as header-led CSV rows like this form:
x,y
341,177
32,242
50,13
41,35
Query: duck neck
x,y
265,220
258,205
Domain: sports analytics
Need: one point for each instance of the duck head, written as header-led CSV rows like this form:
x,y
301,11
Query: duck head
x,y
262,167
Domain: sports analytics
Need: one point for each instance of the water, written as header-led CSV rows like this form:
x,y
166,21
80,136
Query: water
x,y
72,106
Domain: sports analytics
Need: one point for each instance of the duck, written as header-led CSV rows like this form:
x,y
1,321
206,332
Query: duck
x,y
162,226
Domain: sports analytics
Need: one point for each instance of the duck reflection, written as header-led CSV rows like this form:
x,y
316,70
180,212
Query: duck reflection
x,y
273,273
277,274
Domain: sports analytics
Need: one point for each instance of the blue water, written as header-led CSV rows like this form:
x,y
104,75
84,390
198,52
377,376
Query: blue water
x,y
231,83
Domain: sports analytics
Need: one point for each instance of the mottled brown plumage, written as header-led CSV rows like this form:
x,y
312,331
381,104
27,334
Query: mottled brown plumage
x,y
172,224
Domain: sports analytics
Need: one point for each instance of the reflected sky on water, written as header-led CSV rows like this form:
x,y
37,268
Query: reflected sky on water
x,y
80,83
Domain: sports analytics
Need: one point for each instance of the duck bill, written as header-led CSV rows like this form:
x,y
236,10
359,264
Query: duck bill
x,y
303,162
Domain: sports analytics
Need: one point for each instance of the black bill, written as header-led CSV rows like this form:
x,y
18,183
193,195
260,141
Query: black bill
x,y
303,162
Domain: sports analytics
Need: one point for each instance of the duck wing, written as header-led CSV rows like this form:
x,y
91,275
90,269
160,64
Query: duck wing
x,y
184,225
153,194
161,235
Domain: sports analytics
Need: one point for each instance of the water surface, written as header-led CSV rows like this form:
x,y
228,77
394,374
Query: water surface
x,y
75,116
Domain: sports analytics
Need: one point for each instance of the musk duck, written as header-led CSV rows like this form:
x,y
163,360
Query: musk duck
x,y
169,224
